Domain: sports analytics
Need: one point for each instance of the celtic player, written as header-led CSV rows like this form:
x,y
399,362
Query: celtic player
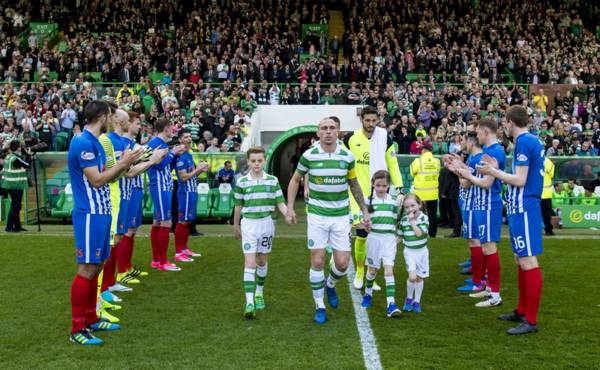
x,y
330,170
256,196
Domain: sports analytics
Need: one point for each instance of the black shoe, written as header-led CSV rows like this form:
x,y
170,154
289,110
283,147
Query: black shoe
x,y
453,235
523,328
550,233
22,229
196,233
513,316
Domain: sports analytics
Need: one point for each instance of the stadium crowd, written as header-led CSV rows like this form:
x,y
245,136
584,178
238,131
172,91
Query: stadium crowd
x,y
218,64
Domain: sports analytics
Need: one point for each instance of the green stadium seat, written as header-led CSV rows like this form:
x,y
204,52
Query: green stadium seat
x,y
222,201
205,202
62,141
53,188
65,204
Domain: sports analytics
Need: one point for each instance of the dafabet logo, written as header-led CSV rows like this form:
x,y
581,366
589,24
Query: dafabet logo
x,y
576,216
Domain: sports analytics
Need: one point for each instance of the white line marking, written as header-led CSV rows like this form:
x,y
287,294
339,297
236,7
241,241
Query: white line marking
x,y
367,339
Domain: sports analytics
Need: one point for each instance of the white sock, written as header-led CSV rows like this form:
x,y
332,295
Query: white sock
x,y
317,283
390,289
370,282
410,289
334,276
261,275
418,291
249,284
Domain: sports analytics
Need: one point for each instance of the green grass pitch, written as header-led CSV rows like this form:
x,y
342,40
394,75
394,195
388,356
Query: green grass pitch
x,y
192,319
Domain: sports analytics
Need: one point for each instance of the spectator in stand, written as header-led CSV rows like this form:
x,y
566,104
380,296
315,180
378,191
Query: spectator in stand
x,y
226,174
214,146
417,145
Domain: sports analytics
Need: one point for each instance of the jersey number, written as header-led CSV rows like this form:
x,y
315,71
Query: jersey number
x,y
266,242
518,242
481,230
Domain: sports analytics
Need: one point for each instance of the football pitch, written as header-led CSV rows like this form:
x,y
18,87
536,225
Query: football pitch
x,y
193,318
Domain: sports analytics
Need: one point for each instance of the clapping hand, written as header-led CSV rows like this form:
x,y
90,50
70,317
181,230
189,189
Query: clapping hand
x,y
487,165
178,149
158,155
131,156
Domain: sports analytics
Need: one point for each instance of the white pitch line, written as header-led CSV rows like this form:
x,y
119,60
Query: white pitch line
x,y
367,339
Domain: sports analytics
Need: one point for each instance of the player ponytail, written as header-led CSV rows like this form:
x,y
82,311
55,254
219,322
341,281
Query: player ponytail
x,y
381,174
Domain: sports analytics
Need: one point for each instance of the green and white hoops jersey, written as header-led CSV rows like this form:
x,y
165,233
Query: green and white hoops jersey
x,y
409,238
258,198
384,218
328,175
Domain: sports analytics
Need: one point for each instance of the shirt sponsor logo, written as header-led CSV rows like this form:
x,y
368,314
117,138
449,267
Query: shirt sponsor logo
x,y
329,180
87,156
521,157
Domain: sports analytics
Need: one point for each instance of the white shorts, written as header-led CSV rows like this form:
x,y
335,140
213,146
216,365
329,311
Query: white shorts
x,y
417,260
334,231
381,248
257,235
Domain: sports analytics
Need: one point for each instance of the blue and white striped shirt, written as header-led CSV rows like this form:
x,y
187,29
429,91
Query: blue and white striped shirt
x,y
486,199
136,182
186,163
528,152
160,174
86,151
468,195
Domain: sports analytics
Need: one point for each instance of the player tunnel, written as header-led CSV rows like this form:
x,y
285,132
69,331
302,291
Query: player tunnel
x,y
284,152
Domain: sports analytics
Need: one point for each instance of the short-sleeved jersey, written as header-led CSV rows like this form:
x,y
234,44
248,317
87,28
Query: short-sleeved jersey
x,y
491,198
258,197
528,152
409,238
186,163
160,174
468,202
136,182
119,146
328,175
85,151
384,218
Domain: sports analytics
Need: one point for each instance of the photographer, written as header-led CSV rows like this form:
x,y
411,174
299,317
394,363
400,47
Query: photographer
x,y
14,181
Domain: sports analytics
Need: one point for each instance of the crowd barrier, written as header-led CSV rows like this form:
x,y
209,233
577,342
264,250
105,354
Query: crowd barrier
x,y
53,176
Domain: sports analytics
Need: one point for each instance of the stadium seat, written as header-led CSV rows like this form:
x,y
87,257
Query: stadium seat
x,y
62,141
65,204
223,201
53,187
205,201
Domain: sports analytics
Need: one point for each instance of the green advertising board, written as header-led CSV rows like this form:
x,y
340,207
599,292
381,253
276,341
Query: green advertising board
x,y
45,29
580,216
314,28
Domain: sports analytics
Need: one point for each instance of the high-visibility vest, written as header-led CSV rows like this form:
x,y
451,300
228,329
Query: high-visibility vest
x,y
426,173
13,177
548,175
